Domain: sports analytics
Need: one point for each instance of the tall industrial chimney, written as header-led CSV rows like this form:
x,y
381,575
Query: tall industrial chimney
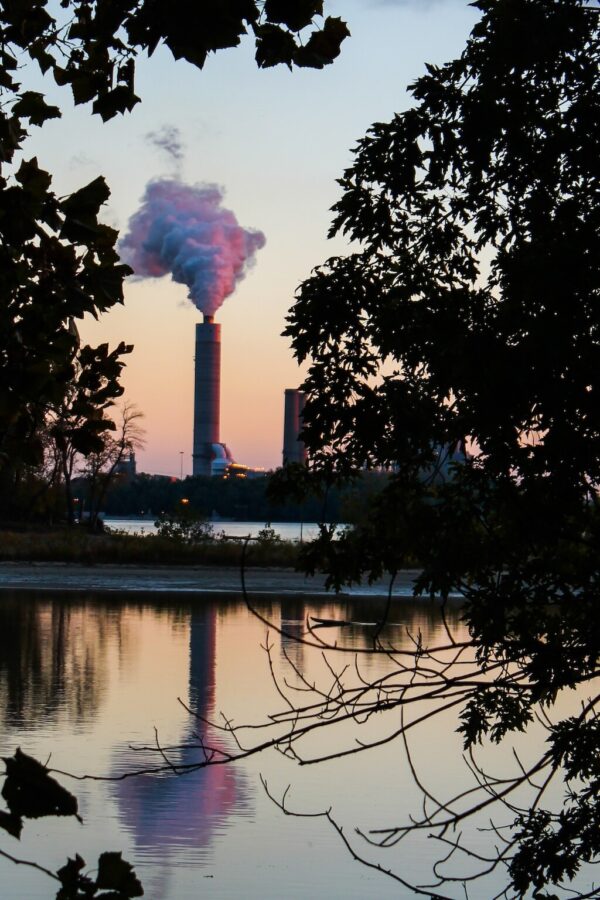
x,y
208,453
293,448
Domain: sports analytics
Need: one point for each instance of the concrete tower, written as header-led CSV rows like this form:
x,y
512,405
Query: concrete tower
x,y
293,448
209,455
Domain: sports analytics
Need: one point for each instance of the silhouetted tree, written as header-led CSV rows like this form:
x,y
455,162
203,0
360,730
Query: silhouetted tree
x,y
471,310
81,427
102,467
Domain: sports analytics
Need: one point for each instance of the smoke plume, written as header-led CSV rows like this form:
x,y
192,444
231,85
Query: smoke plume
x,y
183,230
168,139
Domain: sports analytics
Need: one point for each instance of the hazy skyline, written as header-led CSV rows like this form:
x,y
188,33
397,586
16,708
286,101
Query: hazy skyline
x,y
275,142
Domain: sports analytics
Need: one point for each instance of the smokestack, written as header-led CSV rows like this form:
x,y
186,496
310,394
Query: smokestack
x,y
293,448
207,389
183,230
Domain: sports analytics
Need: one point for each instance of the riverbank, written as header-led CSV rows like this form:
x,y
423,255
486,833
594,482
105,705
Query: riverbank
x,y
190,580
77,546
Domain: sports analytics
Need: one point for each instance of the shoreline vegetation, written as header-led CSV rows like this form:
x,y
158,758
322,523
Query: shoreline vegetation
x,y
73,560
77,545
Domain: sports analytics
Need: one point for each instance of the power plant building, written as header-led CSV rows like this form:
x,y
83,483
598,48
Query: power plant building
x,y
294,450
210,455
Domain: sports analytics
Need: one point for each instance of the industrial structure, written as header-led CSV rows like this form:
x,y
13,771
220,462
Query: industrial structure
x,y
210,456
294,450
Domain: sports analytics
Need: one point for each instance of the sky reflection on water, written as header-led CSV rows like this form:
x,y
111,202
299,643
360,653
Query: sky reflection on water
x,y
84,680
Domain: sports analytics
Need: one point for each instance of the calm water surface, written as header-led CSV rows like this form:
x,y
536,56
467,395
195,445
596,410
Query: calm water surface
x,y
83,681
288,531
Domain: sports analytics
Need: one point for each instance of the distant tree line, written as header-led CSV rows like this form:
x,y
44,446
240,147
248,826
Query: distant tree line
x,y
49,490
234,498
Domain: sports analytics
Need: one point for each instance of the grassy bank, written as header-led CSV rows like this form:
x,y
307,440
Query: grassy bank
x,y
75,545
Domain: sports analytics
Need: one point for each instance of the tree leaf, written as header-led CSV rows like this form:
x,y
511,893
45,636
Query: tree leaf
x,y
30,791
11,823
74,885
324,45
294,15
34,179
31,105
87,200
274,45
115,873
121,99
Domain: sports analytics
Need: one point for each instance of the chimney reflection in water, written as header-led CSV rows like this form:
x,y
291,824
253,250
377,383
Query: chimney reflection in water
x,y
169,812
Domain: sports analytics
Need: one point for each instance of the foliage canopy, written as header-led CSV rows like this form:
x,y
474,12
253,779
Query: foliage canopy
x,y
471,312
92,47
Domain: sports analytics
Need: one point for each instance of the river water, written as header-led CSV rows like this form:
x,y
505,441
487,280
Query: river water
x,y
287,531
83,680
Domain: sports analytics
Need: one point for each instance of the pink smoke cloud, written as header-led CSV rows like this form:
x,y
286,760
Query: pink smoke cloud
x,y
183,230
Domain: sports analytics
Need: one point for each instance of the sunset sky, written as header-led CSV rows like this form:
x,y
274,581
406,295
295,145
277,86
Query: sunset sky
x,y
275,141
